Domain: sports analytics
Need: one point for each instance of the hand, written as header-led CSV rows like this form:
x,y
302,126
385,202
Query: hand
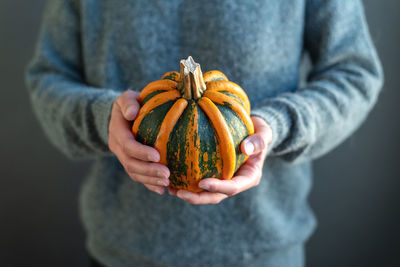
x,y
138,160
248,175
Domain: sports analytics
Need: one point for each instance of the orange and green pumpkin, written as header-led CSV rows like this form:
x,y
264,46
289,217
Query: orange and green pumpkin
x,y
196,122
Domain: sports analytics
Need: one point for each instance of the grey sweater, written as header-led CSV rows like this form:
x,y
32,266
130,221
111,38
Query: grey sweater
x,y
90,51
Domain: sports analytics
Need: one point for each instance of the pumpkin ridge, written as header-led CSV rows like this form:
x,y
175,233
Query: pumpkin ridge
x,y
192,140
222,99
171,75
237,129
151,95
227,149
153,103
210,159
150,125
214,75
157,85
167,126
229,94
230,87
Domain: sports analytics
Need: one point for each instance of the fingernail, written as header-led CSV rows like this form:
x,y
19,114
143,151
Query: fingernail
x,y
249,147
154,158
163,174
205,186
163,182
184,195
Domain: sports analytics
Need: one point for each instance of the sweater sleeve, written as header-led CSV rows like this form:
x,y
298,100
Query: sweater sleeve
x,y
341,88
74,116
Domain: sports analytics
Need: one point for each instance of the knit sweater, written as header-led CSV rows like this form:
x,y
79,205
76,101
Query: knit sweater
x,y
90,51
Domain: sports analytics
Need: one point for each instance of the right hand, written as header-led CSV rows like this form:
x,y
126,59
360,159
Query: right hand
x,y
139,161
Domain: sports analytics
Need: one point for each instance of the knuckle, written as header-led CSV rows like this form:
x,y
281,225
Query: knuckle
x,y
125,94
126,150
257,181
133,177
130,168
113,150
212,188
235,190
130,92
260,142
253,168
152,170
111,146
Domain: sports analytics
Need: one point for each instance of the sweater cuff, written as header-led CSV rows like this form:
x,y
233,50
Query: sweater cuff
x,y
102,112
277,121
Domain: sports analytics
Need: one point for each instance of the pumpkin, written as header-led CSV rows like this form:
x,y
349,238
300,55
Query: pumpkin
x,y
196,122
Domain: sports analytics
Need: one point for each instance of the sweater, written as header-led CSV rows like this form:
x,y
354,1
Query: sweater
x,y
89,52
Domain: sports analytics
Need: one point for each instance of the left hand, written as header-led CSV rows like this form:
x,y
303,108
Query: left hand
x,y
247,176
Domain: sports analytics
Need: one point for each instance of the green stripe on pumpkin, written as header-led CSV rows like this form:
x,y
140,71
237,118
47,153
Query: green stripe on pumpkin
x,y
232,96
151,123
173,76
177,147
208,147
237,129
147,98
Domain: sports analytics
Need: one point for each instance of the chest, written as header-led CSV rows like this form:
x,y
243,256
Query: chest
x,y
129,43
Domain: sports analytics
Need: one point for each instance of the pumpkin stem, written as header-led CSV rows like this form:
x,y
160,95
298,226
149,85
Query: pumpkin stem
x,y
192,84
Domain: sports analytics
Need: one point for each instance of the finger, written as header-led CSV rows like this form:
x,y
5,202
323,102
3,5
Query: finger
x,y
253,144
259,141
133,148
254,162
201,198
126,139
129,104
136,150
227,187
146,168
157,189
149,180
231,187
248,176
144,179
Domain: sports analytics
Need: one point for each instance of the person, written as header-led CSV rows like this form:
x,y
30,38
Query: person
x,y
90,52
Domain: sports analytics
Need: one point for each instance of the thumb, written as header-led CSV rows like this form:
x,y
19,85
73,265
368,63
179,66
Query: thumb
x,y
253,144
129,104
259,141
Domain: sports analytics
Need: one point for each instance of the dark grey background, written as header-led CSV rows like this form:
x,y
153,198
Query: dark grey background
x,y
355,196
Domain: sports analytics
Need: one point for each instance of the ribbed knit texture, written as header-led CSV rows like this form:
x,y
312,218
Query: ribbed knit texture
x,y
90,51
